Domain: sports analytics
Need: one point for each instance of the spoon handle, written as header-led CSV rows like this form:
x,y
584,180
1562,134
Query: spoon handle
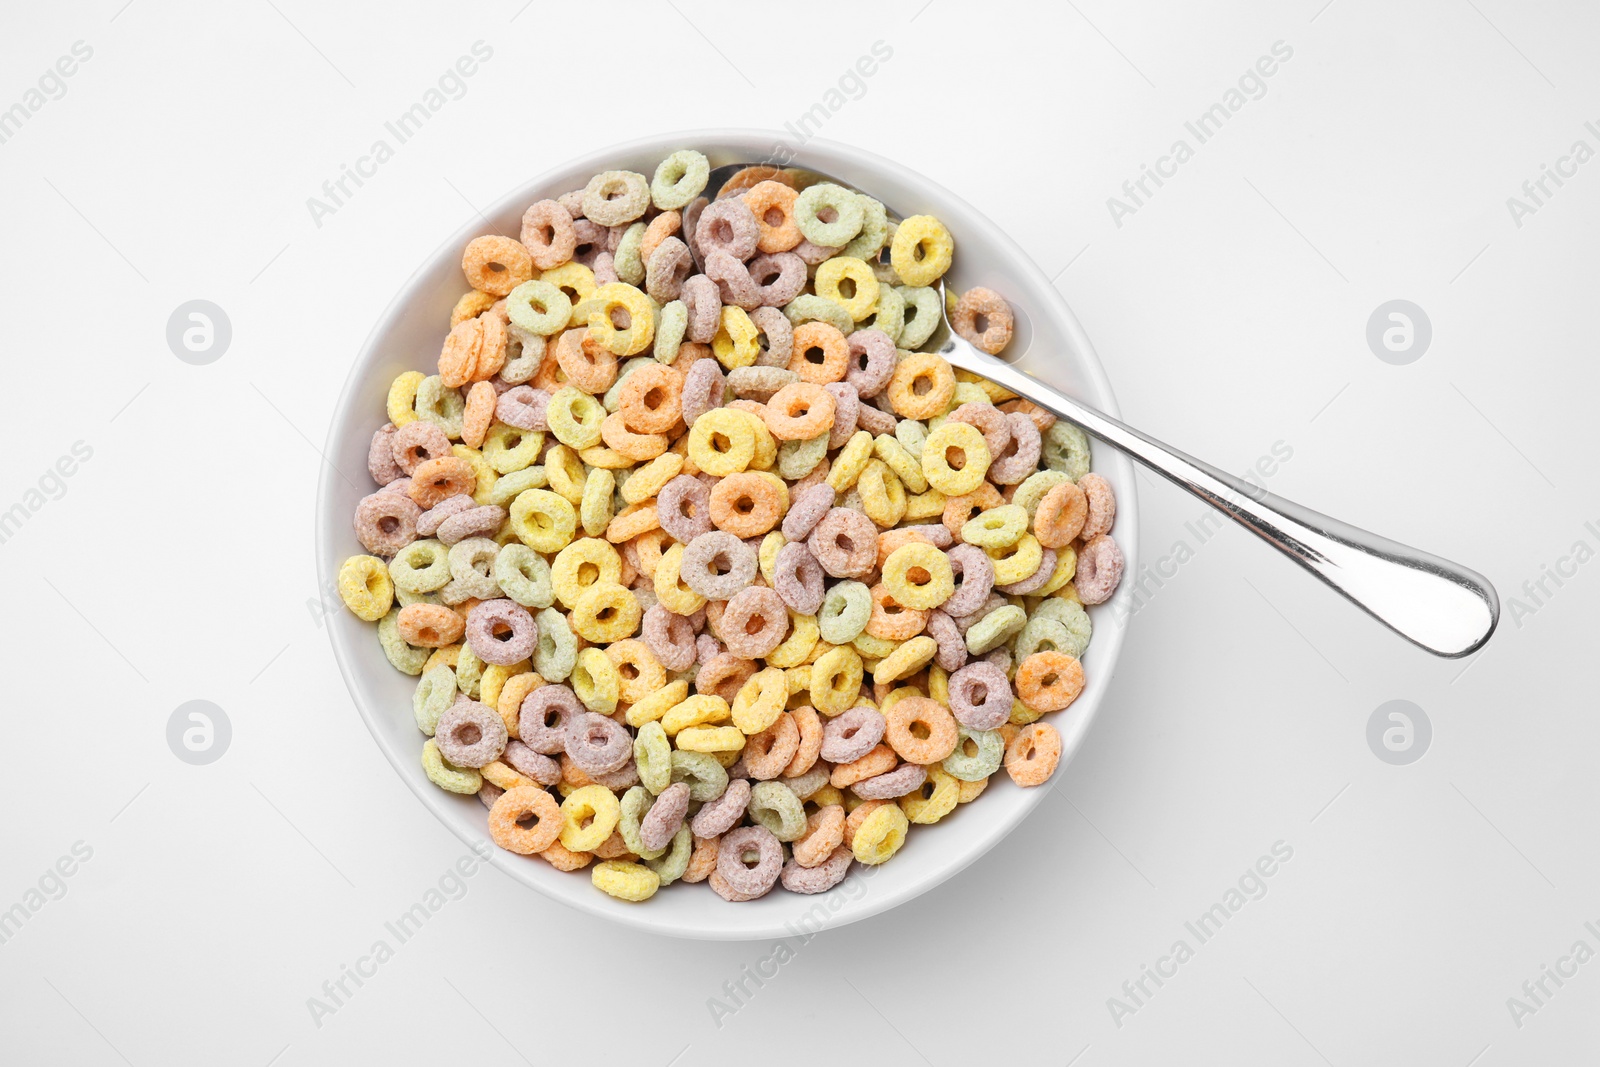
x,y
1441,606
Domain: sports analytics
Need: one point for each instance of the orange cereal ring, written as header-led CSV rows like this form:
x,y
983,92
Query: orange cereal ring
x,y
892,621
496,338
805,757
769,752
429,625
437,480
1060,515
589,366
920,729
746,504
772,203
880,760
751,176
648,546
506,820
1049,681
632,521
703,860
562,858
613,847
960,510
634,447
548,234
1032,755
1038,415
822,355
458,359
638,669
661,227
824,833
921,387
983,317
496,264
650,399
478,414
799,411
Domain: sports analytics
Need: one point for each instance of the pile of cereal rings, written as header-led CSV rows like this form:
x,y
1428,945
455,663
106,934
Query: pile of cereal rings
x,y
705,572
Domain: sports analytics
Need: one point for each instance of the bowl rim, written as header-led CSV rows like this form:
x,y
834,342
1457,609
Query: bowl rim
x,y
760,143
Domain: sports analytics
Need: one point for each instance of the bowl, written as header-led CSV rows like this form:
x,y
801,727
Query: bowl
x,y
408,335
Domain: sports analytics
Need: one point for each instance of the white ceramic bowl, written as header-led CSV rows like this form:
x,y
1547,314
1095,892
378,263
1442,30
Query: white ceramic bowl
x,y
1050,344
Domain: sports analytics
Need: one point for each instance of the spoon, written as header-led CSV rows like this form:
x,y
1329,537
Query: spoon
x,y
1440,606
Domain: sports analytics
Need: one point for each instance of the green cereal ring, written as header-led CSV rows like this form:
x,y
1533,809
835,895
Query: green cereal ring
x,y
613,197
679,179
1066,449
774,805
574,417
993,630
652,755
524,576
808,307
991,749
435,692
626,260
510,486
703,774
796,459
407,659
670,329
405,598
508,449
922,314
671,866
1042,635
557,653
1072,616
889,315
998,527
844,613
847,209
446,775
538,307
635,805
1033,489
420,567
469,671
874,231
912,435
441,406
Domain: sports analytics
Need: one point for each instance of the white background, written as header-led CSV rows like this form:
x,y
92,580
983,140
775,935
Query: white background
x,y
1230,311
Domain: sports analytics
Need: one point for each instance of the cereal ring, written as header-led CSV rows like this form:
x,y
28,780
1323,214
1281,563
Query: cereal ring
x,y
808,307
366,589
501,631
918,576
980,696
921,387
1021,457
524,408
771,204
661,227
470,734
508,815
1049,681
705,776
589,815
1099,570
548,235
628,260
734,344
544,717
703,387
717,565
1061,515
984,318
820,353
952,650
1101,504
1066,449
625,881
679,179
722,814
774,806
380,454
727,226
798,579
478,413
747,504
892,620
921,250
597,744
806,509
774,336
1033,754
804,765
667,269
852,734
835,681
759,383
530,764
429,625
904,779
846,609
614,197
401,402
496,264
683,507
754,622
436,480
955,458
828,215
417,442
670,637
798,411
621,319
880,835
848,282
988,419
749,881
446,775
904,660
872,361
845,543
820,878
924,311
823,835
880,760
665,818
977,755
1044,571
386,522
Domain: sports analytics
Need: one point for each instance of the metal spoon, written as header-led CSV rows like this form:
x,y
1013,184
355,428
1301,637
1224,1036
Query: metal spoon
x,y
1438,605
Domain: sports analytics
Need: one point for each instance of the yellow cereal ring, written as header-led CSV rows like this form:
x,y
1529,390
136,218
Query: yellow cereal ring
x,y
580,565
625,881
601,309
1066,569
657,704
952,441
906,660
499,774
646,481
905,467
833,273
702,709
588,816
1013,563
710,739
446,775
880,835
735,344
936,798
507,449
836,680
760,700
606,612
722,442
922,250
850,462
365,588
575,417
795,649
670,589
927,505
542,520
873,647
484,475
494,681
883,498
402,401
573,279
771,545
918,576
598,505
565,473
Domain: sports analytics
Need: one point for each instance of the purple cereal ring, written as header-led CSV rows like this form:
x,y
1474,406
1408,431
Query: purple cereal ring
x,y
417,442
597,744
845,542
470,734
501,631
990,421
937,533
380,454
429,521
722,814
727,226
717,565
733,280
400,485
525,761
664,817
811,254
1000,657
778,278
524,407
805,511
488,793
892,785
691,221
756,620
547,233
976,571
952,653
386,521
980,696
703,300
797,576
620,780
724,675
846,411
670,637
875,420
872,361
545,714
703,386
1099,570
589,240
683,508
1102,506
473,522
668,268
573,202
605,268
852,734
731,862
1035,581
821,878
1020,458
706,649
775,336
